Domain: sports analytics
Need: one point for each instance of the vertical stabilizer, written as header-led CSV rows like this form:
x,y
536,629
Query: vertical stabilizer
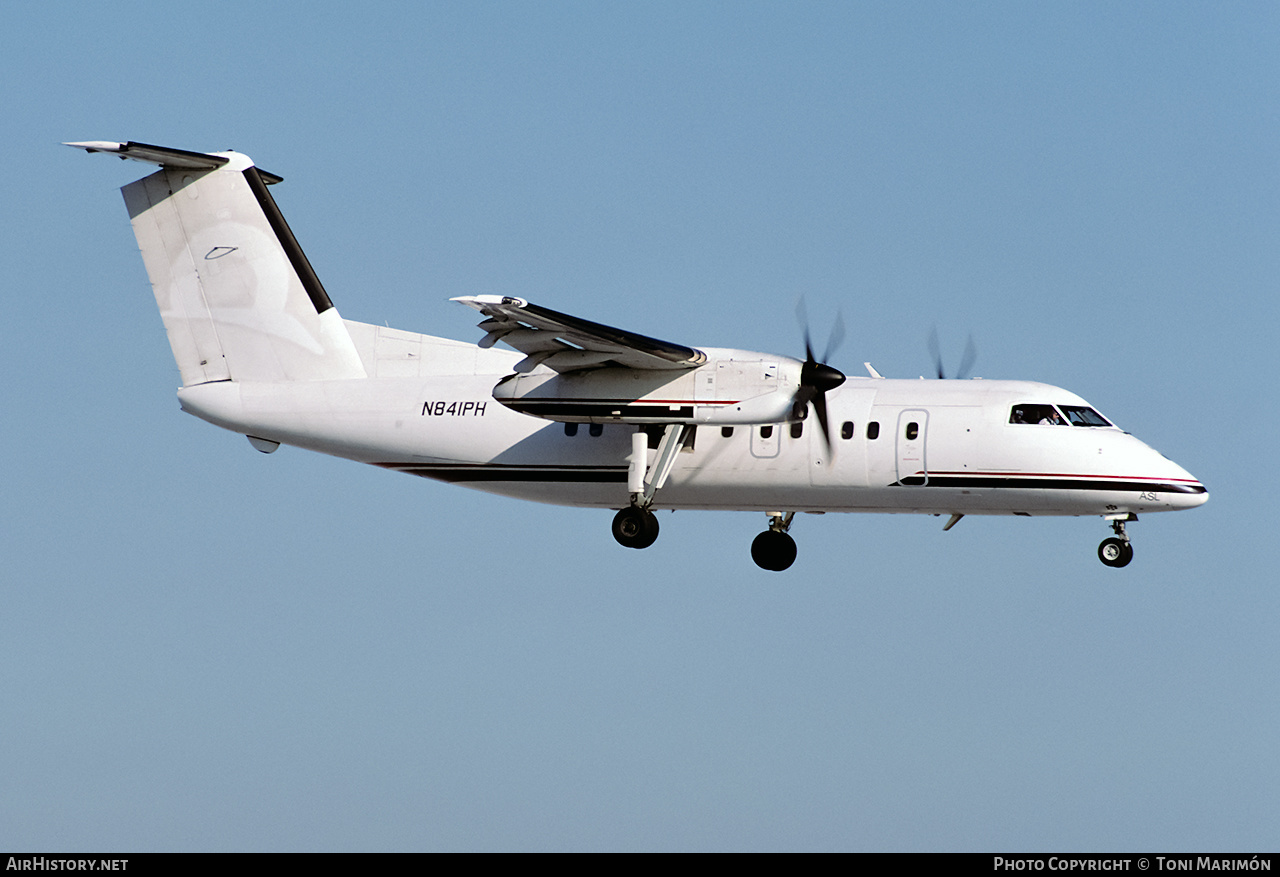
x,y
237,295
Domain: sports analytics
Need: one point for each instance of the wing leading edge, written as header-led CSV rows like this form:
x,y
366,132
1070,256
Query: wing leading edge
x,y
566,343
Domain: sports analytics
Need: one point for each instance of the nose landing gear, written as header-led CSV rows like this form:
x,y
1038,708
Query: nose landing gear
x,y
1116,551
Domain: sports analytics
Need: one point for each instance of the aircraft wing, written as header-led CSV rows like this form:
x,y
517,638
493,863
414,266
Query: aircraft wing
x,y
564,343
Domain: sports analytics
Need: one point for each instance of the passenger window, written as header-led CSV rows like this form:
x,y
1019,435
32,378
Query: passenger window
x,y
571,429
873,430
797,429
913,431
846,430
596,429
726,431
766,432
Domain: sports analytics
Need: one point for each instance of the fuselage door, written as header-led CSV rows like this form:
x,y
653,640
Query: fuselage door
x,y
766,440
912,467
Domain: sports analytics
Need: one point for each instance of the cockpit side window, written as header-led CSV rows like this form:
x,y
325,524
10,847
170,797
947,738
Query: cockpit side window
x,y
1078,415
1045,415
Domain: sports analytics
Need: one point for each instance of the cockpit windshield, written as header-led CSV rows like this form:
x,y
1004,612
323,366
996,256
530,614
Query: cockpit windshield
x,y
1081,416
1045,415
1049,415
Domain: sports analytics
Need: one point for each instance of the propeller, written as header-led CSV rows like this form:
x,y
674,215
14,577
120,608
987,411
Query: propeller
x,y
817,378
967,360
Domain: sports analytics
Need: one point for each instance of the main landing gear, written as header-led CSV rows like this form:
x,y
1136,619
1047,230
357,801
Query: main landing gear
x,y
635,527
1116,550
774,549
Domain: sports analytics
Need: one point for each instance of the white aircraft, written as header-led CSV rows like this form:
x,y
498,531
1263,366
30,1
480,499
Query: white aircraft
x,y
583,414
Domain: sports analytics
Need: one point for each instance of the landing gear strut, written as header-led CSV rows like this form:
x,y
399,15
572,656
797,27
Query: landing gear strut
x,y
635,526
774,549
1116,550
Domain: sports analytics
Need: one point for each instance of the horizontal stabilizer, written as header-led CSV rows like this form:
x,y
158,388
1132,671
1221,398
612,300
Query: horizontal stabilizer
x,y
165,156
161,155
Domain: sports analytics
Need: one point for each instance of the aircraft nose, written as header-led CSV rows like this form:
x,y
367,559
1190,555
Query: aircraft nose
x,y
1177,488
1197,498
1188,491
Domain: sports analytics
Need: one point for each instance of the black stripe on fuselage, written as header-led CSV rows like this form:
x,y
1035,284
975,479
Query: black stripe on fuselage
x,y
989,482
456,472
310,281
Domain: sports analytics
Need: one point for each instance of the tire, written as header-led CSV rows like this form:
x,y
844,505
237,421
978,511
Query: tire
x,y
635,528
1115,552
1128,554
773,550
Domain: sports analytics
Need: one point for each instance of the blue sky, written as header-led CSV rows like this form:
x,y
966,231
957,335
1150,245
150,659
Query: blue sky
x,y
208,649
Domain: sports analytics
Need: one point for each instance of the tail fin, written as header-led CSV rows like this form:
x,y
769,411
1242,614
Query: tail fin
x,y
237,295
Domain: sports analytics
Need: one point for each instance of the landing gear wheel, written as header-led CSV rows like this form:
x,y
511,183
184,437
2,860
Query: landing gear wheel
x,y
635,527
1115,552
773,550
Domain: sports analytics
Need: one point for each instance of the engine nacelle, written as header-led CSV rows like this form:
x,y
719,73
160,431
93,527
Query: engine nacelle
x,y
731,387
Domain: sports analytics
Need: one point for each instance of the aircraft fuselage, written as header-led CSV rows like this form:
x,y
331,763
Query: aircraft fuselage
x,y
905,446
